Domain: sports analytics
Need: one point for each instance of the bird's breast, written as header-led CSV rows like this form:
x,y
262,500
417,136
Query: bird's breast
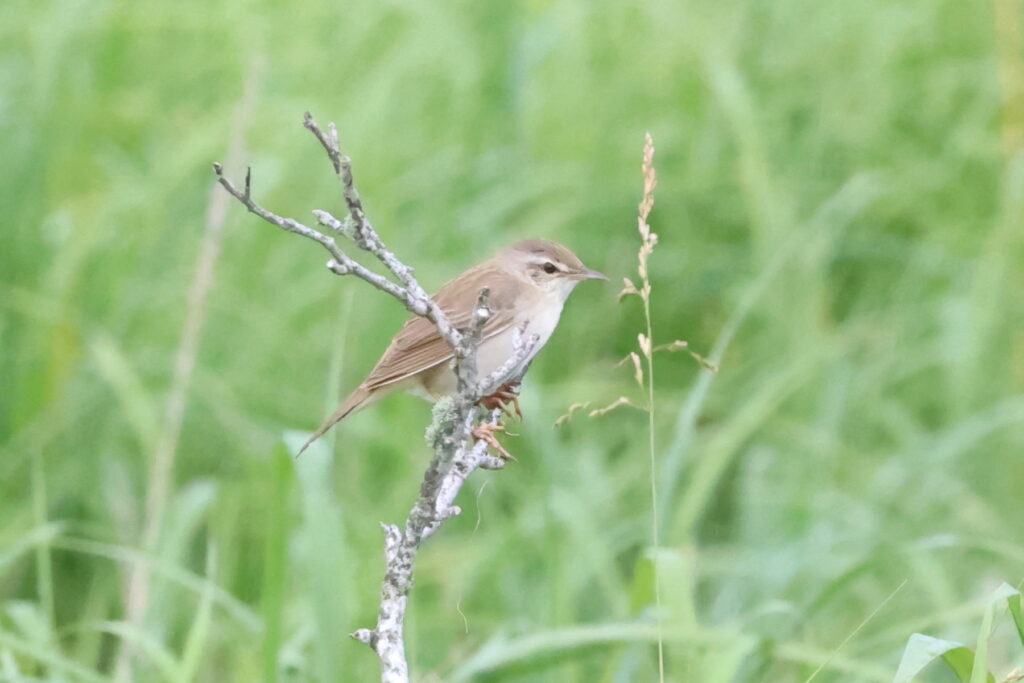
x,y
494,351
541,320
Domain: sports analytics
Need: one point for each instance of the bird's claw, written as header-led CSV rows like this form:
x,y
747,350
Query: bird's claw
x,y
503,406
504,396
485,432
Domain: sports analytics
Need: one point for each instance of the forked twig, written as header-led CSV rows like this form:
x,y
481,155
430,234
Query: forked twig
x,y
456,455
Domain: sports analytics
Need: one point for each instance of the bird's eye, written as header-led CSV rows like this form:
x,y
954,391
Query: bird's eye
x,y
550,268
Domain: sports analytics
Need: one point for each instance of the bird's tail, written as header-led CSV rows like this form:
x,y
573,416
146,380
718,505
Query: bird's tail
x,y
353,401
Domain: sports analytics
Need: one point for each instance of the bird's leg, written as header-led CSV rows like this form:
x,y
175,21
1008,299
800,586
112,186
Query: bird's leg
x,y
502,397
485,432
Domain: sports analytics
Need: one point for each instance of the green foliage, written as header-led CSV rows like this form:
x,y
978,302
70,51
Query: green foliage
x,y
839,211
969,666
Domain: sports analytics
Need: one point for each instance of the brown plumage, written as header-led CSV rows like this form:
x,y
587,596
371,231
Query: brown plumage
x,y
521,291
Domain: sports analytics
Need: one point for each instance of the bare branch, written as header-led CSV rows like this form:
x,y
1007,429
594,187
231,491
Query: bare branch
x,y
340,263
330,143
364,235
456,418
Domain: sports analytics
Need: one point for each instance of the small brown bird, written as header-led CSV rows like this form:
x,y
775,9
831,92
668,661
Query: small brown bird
x,y
528,281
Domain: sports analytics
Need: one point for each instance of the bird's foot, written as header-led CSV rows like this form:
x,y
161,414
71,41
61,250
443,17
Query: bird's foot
x,y
504,396
485,432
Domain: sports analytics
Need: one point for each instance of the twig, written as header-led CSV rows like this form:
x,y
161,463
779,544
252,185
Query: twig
x,y
456,455
340,263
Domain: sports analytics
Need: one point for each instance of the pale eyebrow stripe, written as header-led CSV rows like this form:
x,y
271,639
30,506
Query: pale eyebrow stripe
x,y
540,261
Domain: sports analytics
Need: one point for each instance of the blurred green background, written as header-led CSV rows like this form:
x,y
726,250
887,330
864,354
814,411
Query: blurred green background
x,y
841,210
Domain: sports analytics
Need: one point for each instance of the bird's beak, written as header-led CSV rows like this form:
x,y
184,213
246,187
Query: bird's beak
x,y
591,274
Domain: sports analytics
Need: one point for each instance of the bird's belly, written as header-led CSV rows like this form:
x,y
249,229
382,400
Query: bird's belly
x,y
493,353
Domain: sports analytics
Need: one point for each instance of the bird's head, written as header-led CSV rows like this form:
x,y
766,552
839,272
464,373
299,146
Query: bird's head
x,y
549,265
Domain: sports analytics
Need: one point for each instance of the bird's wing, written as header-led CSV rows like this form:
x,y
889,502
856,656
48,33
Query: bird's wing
x,y
418,346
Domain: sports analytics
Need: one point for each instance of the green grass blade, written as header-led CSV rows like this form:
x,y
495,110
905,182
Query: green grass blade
x,y
1013,602
24,543
199,632
502,652
239,611
155,651
324,555
979,672
50,657
272,598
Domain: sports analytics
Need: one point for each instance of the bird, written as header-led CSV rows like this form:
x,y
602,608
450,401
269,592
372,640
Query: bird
x,y
528,284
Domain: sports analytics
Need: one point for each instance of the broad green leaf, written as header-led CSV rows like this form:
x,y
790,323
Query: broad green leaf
x,y
979,673
922,650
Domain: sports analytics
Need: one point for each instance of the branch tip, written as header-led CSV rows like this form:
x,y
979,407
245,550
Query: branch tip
x,y
338,268
451,511
363,635
333,131
492,462
392,536
328,141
